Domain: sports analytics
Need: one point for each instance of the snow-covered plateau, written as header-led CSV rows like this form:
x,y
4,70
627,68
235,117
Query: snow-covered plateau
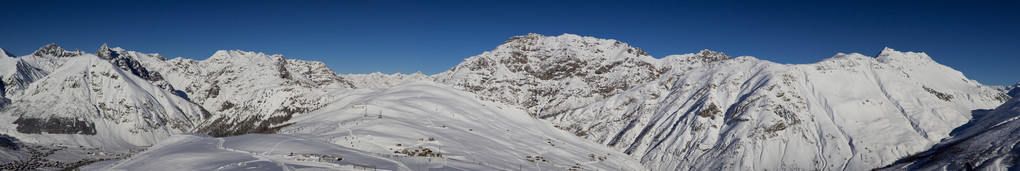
x,y
534,102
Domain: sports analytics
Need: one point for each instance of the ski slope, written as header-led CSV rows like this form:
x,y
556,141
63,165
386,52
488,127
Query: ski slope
x,y
462,133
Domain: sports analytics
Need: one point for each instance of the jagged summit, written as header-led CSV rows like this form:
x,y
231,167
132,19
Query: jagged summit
x,y
56,51
528,37
678,63
713,55
890,55
130,61
570,43
104,52
550,74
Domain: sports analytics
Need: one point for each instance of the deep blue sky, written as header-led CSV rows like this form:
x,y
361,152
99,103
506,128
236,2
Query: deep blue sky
x,y
978,38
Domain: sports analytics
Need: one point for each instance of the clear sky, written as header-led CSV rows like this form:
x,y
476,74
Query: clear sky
x,y
978,38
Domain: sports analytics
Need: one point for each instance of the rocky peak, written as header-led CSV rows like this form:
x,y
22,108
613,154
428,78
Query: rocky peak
x,y
679,63
551,74
703,56
712,56
56,51
128,62
568,44
890,55
104,52
523,39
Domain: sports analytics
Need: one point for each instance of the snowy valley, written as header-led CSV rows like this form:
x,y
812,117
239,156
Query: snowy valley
x,y
534,102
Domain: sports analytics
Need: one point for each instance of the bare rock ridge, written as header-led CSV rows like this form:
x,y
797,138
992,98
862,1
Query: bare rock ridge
x,y
129,62
56,51
548,75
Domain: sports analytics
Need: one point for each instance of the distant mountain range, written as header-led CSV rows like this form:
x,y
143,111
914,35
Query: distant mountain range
x,y
533,102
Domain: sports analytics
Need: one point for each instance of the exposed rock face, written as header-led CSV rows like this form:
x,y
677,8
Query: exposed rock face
x,y
55,125
129,61
53,50
548,75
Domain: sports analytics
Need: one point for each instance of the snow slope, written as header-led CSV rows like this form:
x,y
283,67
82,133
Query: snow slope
x,y
88,101
848,112
247,92
683,111
17,72
455,124
250,152
988,142
504,109
374,127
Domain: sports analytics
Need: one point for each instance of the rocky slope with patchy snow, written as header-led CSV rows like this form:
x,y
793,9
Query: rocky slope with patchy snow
x,y
846,112
707,107
547,75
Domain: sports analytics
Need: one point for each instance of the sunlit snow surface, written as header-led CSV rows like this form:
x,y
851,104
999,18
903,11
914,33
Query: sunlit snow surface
x,y
126,111
469,134
989,142
848,112
533,103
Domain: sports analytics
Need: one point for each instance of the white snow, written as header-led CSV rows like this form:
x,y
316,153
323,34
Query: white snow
x,y
849,112
988,142
469,134
533,103
126,111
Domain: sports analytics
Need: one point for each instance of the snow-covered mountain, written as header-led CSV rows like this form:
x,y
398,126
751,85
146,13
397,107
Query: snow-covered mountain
x,y
87,100
247,92
533,102
411,126
683,111
988,142
846,112
548,75
379,80
17,72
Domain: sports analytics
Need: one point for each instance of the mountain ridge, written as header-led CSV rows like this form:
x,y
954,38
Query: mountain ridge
x,y
694,111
